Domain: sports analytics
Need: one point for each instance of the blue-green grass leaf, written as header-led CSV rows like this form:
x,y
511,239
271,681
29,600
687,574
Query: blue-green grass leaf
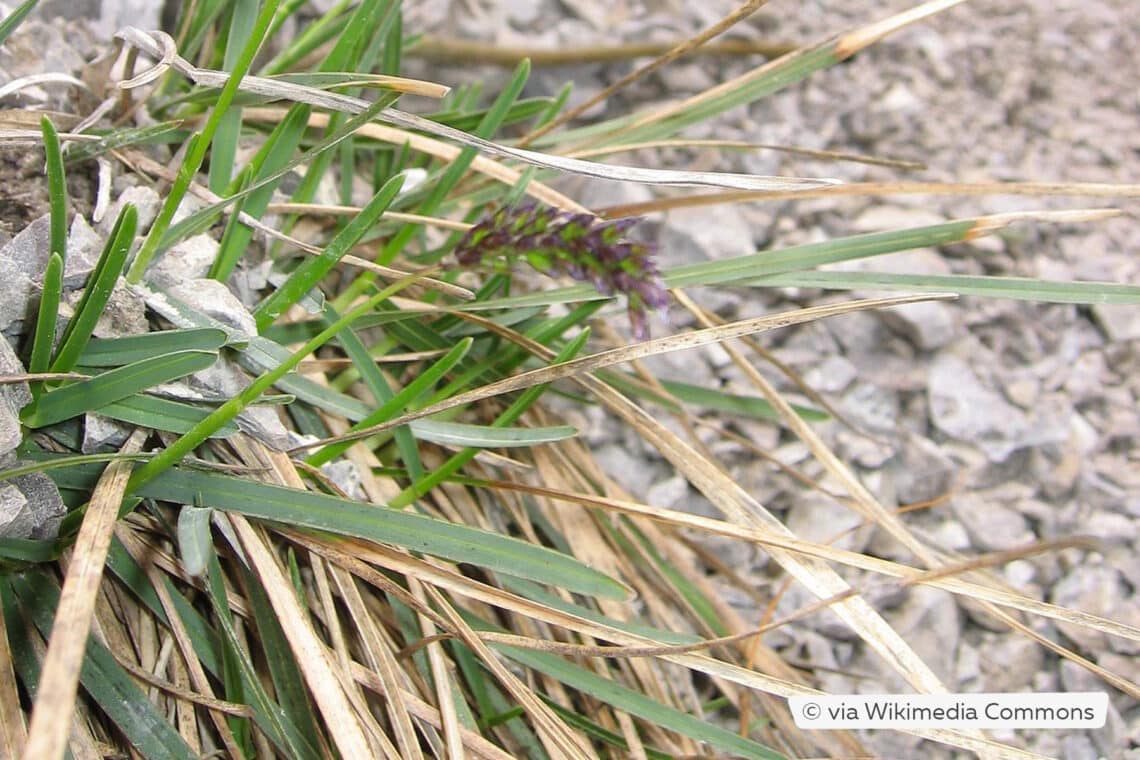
x,y
115,352
458,543
485,437
88,395
98,290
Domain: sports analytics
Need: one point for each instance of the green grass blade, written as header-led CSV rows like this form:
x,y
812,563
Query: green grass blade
x,y
57,188
372,376
635,703
1018,288
197,145
293,701
98,291
399,401
88,395
13,20
328,26
485,437
163,132
115,352
266,165
161,414
509,415
765,263
44,336
312,271
124,703
458,543
223,149
710,398
455,171
204,218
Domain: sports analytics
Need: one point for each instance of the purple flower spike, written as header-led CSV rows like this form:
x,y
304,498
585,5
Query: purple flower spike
x,y
577,244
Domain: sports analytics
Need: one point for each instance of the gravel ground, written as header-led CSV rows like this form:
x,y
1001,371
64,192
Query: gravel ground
x,y
1029,411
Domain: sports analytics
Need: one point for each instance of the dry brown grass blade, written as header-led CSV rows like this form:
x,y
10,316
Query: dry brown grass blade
x,y
827,155
456,583
843,47
441,676
337,210
431,146
941,578
472,740
13,731
383,663
318,669
862,189
869,507
741,12
142,555
559,739
59,678
142,163
454,49
629,353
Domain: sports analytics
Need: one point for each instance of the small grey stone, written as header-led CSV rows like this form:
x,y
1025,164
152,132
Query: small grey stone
x,y
13,398
213,299
690,236
922,471
963,408
189,259
346,476
146,203
628,470
35,512
1120,323
930,622
1096,589
872,407
928,325
124,313
1079,747
103,434
815,517
1010,662
992,525
833,375
668,493
84,247
15,517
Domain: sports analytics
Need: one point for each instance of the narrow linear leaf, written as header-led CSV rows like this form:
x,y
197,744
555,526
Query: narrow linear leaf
x,y
312,271
45,319
98,291
458,543
57,187
88,395
115,352
623,698
426,380
744,406
161,414
13,20
124,703
1018,288
484,437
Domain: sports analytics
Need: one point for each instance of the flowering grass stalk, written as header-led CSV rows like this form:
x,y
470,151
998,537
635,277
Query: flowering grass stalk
x,y
580,245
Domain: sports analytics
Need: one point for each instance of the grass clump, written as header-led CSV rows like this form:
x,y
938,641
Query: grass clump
x,y
477,586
